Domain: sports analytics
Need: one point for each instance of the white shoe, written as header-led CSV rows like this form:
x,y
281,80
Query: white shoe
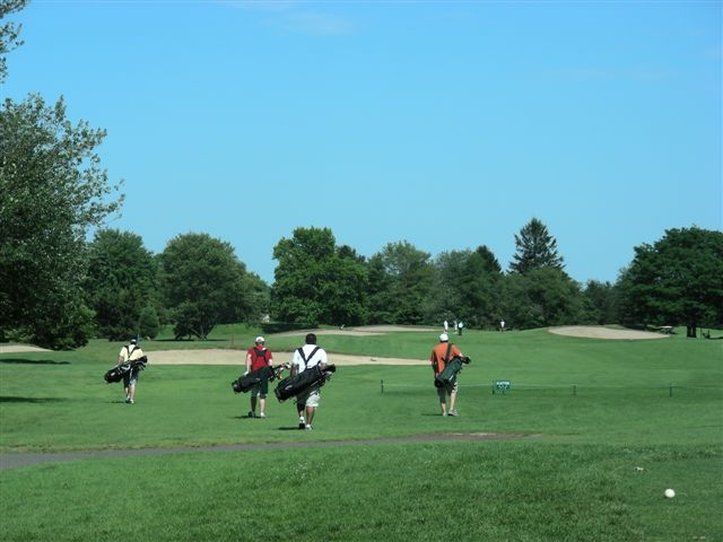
x,y
302,423
308,427
262,415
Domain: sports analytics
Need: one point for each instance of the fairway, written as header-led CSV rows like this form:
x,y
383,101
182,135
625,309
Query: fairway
x,y
581,448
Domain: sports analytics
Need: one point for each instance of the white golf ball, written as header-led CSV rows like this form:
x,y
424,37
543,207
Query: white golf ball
x,y
669,493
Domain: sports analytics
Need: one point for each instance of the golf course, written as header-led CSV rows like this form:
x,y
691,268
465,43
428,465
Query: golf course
x,y
582,445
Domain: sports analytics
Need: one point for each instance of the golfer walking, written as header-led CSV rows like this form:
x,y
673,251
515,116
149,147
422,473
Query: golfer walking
x,y
305,358
258,357
440,356
128,353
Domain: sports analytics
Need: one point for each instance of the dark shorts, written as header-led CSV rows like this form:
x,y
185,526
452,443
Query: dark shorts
x,y
447,390
262,389
131,377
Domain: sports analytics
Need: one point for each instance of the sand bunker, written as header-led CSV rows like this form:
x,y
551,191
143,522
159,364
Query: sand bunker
x,y
218,356
364,331
598,332
17,348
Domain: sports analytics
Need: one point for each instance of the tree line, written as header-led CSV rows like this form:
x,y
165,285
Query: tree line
x,y
58,289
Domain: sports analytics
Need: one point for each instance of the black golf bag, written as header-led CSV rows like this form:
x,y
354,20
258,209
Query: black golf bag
x,y
245,382
315,376
449,374
116,373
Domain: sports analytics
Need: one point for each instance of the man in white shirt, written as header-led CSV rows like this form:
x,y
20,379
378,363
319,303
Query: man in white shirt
x,y
128,353
304,358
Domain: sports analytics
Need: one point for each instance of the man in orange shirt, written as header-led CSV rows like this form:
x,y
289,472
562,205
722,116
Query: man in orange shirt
x,y
440,356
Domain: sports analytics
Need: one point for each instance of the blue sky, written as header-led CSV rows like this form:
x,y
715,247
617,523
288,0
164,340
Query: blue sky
x,y
448,124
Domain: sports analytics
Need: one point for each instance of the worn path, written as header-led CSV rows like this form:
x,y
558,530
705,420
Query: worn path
x,y
16,460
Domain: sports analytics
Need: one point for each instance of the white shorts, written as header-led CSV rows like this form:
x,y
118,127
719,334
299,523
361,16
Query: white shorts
x,y
310,398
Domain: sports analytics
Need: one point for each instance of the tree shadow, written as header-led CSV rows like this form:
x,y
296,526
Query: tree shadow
x,y
34,361
9,399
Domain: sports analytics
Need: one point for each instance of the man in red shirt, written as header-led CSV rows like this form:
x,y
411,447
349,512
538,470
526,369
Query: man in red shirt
x,y
258,357
439,357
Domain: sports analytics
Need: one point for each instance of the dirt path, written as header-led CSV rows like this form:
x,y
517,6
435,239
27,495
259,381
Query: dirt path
x,y
599,332
17,460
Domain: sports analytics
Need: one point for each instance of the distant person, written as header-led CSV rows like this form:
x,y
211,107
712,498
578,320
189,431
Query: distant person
x,y
460,326
502,325
441,354
305,358
130,352
258,357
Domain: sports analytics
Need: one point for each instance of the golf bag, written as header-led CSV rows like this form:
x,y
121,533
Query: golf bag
x,y
116,373
315,376
449,374
245,382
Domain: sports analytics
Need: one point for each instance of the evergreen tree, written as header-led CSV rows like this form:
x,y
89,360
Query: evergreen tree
x,y
536,249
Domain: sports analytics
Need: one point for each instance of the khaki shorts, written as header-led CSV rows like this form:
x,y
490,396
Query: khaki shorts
x,y
450,389
310,398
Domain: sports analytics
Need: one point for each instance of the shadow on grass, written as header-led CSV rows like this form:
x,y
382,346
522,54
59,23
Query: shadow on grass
x,y
34,361
8,399
294,428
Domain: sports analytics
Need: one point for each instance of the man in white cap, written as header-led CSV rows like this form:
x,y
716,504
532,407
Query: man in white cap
x,y
258,357
130,352
440,356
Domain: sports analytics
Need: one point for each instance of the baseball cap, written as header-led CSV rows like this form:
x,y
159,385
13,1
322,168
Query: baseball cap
x,y
444,337
259,339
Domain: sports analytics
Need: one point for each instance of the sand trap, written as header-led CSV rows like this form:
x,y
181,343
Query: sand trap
x,y
598,332
16,348
363,331
218,356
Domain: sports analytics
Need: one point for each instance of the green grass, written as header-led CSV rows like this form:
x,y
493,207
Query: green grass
x,y
455,491
576,480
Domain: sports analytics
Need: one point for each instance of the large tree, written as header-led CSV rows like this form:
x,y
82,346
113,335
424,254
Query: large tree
x,y
401,284
536,248
600,303
52,190
677,280
541,297
203,284
316,281
468,287
121,283
9,32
